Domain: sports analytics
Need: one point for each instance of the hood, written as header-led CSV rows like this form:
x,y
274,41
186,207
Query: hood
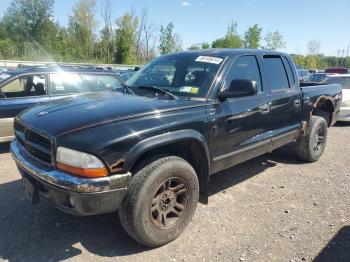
x,y
85,111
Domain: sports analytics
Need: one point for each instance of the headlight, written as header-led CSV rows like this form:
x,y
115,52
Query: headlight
x,y
346,104
80,163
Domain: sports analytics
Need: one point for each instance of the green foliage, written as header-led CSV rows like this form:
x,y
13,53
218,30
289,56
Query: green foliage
x,y
205,45
125,39
231,39
252,37
28,32
274,40
28,21
82,25
194,47
6,48
320,61
311,62
299,60
104,49
167,42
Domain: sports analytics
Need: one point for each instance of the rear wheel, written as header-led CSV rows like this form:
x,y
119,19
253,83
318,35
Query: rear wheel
x,y
160,201
310,146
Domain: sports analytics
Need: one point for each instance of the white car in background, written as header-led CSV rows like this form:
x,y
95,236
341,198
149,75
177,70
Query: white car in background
x,y
344,80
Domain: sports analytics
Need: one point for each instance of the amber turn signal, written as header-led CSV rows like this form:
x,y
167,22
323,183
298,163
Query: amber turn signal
x,y
88,173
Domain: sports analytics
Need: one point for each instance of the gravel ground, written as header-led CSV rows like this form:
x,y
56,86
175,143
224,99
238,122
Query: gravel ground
x,y
273,208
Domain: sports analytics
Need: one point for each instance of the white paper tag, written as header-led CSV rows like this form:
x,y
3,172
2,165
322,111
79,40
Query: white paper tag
x,y
185,89
209,59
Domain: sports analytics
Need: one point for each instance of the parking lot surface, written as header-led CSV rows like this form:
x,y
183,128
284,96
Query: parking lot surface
x,y
272,208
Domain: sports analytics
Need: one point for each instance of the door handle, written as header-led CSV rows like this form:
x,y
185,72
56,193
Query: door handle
x,y
265,108
297,102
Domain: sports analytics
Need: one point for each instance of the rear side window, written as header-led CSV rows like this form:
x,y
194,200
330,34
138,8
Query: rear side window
x,y
289,71
68,83
245,67
275,73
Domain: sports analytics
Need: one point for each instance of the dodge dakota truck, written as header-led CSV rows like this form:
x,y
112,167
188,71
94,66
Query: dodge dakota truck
x,y
147,153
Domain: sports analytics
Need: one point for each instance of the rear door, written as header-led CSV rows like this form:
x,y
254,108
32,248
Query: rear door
x,y
284,96
19,94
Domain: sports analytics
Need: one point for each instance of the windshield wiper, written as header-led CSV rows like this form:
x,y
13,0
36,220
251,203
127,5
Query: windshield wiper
x,y
127,89
158,89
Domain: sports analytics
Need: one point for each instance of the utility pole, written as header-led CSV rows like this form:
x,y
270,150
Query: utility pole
x,y
342,53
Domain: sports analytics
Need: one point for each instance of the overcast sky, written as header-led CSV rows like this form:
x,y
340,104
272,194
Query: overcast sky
x,y
205,20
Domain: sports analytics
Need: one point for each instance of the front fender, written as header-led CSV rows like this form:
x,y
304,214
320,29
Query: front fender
x,y
160,140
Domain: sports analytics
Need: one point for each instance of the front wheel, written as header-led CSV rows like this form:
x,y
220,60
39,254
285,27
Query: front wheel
x,y
310,146
160,202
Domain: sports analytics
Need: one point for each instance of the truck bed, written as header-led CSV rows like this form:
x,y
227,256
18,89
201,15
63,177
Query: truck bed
x,y
313,92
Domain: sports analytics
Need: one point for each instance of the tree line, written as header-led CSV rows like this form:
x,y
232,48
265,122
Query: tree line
x,y
29,32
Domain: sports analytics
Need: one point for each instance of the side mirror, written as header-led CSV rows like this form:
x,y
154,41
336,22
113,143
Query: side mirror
x,y
239,88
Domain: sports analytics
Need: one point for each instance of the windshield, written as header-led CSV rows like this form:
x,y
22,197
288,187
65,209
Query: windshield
x,y
184,74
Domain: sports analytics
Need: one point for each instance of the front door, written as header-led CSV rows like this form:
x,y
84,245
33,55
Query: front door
x,y
18,95
239,126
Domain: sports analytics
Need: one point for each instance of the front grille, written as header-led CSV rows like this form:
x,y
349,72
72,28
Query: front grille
x,y
35,144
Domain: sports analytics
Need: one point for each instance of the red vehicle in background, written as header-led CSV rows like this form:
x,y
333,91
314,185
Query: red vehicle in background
x,y
337,70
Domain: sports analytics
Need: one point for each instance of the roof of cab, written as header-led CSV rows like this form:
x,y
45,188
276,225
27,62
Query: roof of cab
x,y
57,68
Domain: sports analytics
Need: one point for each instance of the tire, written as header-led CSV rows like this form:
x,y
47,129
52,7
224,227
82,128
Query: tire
x,y
160,201
310,146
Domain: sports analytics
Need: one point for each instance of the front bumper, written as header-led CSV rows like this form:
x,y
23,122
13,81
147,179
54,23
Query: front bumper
x,y
74,195
344,114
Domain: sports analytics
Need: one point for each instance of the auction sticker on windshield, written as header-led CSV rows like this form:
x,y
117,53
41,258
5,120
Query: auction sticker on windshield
x,y
189,89
209,59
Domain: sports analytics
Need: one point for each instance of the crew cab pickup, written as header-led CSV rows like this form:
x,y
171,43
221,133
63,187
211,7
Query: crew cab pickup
x,y
149,152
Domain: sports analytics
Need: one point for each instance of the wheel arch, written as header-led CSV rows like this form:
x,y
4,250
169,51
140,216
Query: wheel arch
x,y
187,144
324,107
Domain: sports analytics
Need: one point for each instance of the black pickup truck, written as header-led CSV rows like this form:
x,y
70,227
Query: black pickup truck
x,y
149,152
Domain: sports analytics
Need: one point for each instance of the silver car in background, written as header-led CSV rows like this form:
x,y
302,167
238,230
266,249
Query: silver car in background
x,y
344,80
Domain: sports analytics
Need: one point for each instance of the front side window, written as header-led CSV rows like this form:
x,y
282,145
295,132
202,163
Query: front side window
x,y
245,67
275,73
188,75
30,85
70,83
